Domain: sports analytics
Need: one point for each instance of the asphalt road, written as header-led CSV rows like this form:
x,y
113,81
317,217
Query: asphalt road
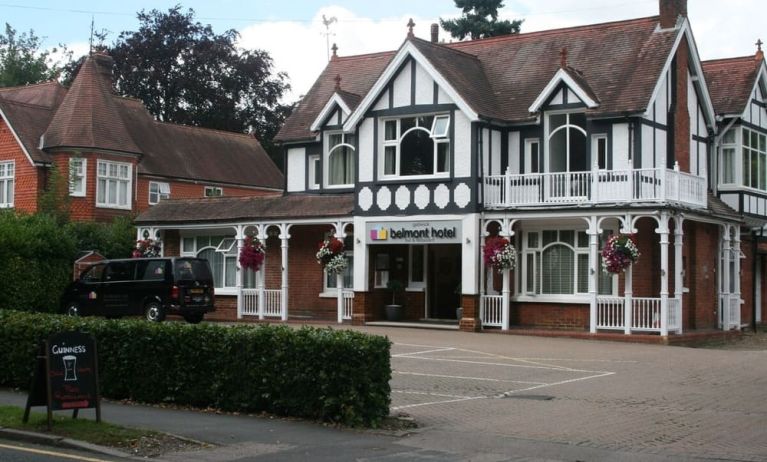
x,y
14,451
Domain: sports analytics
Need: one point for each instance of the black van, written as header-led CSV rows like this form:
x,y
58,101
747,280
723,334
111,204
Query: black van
x,y
152,287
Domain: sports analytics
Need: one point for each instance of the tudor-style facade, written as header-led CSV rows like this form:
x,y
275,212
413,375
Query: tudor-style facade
x,y
554,139
116,158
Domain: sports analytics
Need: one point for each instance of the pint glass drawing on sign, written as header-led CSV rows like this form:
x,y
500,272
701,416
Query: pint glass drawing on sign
x,y
70,368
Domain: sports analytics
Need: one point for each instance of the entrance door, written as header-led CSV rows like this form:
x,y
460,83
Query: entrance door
x,y
444,280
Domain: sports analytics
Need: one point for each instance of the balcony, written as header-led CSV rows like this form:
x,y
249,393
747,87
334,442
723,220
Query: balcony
x,y
646,186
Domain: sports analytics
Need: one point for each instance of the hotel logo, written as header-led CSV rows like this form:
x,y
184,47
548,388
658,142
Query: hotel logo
x,y
379,234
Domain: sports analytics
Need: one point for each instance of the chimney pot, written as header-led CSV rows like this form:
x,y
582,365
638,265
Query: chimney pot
x,y
434,32
670,10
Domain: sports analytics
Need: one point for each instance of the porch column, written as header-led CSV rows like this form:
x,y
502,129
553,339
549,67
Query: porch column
x,y
663,231
240,236
340,234
628,284
284,236
482,271
506,232
261,275
678,266
735,251
724,296
593,232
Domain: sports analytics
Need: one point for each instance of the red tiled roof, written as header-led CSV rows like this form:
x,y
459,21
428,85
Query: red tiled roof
x,y
730,82
89,115
500,77
228,209
358,74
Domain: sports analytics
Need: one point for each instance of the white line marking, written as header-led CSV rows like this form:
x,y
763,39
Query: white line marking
x,y
428,393
51,453
421,346
483,363
408,406
511,392
485,379
400,355
583,360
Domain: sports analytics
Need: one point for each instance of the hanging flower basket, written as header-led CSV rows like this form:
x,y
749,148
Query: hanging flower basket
x,y
146,248
619,253
331,255
499,253
252,253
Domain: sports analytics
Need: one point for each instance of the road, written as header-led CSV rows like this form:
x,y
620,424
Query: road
x,y
14,451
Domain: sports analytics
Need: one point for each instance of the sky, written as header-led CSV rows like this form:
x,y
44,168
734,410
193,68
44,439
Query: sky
x,y
292,31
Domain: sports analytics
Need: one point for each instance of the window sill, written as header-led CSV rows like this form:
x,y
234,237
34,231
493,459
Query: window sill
x,y
77,194
441,177
572,299
330,293
113,207
226,291
414,289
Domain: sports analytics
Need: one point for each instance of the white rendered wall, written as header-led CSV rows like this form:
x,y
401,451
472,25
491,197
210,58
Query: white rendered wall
x,y
296,173
462,145
621,147
383,101
365,150
402,87
424,86
514,154
495,152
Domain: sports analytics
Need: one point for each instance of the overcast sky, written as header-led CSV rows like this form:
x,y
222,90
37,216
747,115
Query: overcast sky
x,y
292,31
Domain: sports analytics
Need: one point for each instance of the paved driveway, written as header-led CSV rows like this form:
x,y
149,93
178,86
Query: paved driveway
x,y
476,390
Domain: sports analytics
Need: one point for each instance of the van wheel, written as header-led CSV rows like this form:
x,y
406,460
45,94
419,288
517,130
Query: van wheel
x,y
195,318
154,312
72,309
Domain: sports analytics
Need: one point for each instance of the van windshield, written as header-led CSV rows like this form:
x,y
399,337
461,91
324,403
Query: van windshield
x,y
192,270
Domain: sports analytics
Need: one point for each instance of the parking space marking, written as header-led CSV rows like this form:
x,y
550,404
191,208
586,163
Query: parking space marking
x,y
562,382
485,363
468,378
437,350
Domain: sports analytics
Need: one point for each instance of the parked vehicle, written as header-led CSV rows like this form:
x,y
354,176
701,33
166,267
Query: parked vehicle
x,y
153,287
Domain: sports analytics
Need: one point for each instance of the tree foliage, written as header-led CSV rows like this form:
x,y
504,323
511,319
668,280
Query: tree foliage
x,y
22,61
185,73
479,19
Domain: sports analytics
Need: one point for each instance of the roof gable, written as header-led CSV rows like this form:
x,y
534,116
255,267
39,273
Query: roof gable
x,y
569,78
335,101
414,48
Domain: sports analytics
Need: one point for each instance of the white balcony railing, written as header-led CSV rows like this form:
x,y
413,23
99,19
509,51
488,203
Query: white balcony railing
x,y
595,187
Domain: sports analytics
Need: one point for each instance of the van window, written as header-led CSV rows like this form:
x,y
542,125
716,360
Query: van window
x,y
93,274
150,270
191,270
119,271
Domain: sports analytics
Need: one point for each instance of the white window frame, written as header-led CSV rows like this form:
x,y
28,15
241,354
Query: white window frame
x,y
761,159
7,184
328,291
212,191
314,166
595,139
162,191
78,170
529,142
440,138
381,276
549,134
417,285
328,150
102,199
522,294
214,242
736,158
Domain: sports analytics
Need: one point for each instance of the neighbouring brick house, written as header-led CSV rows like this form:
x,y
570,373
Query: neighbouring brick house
x,y
118,159
556,140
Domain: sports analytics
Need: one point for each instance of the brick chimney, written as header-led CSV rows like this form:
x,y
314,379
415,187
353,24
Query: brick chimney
x,y
670,10
434,32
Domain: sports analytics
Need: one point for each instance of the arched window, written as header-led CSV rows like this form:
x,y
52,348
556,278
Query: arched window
x,y
417,146
341,164
222,265
567,143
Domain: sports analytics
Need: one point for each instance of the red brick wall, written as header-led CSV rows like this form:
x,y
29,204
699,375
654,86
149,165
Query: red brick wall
x,y
763,306
190,190
27,179
550,315
747,279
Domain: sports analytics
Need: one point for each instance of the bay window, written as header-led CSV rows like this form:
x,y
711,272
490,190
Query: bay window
x,y
7,177
416,146
113,184
340,159
556,262
754,161
77,170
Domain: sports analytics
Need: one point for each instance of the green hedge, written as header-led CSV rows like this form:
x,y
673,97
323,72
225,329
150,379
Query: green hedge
x,y
332,375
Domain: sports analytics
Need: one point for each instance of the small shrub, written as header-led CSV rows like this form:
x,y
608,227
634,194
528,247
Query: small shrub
x,y
335,376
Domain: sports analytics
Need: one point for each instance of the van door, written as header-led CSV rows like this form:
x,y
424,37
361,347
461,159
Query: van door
x,y
152,282
117,286
89,289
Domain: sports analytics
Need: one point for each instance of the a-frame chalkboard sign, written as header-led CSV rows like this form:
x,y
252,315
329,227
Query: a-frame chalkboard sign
x,y
66,375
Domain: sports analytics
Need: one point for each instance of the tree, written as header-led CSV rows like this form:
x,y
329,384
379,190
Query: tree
x,y
479,19
185,73
22,62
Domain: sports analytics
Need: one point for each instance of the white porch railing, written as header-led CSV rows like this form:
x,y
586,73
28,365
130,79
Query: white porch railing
x,y
249,302
491,310
348,303
645,314
595,187
272,298
730,309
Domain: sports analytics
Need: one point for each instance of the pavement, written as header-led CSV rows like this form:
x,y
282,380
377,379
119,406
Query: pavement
x,y
496,397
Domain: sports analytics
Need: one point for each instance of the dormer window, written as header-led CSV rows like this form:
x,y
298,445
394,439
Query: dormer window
x,y
567,142
339,159
417,146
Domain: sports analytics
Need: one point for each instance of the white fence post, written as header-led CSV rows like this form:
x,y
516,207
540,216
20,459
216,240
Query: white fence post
x,y
340,296
507,187
506,291
678,268
629,301
593,274
663,231
284,236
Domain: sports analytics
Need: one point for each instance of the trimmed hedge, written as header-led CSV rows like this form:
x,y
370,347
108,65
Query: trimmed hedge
x,y
332,375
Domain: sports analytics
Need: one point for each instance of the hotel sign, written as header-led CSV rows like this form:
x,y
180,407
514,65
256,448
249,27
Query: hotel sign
x,y
414,232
